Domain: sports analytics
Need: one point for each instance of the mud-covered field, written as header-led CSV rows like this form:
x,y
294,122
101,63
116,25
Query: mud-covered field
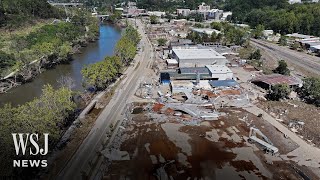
x,y
166,148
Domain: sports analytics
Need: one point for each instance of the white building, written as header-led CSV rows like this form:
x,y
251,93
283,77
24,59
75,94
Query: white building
x,y
207,31
183,12
203,7
181,87
225,15
156,13
198,57
220,72
215,14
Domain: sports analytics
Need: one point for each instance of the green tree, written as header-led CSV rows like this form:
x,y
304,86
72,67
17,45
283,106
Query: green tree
x,y
283,41
258,31
101,74
282,68
216,25
295,45
277,92
162,42
153,19
125,49
255,55
310,91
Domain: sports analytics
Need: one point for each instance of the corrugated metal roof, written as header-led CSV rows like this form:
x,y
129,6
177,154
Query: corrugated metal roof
x,y
223,83
274,79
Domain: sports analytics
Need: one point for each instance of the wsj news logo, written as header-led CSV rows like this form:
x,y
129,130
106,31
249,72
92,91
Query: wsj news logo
x,y
21,142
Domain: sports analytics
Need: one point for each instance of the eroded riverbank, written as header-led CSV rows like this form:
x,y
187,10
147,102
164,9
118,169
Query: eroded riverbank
x,y
93,52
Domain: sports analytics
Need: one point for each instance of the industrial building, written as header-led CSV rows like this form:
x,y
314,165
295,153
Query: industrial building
x,y
267,81
198,57
219,72
213,72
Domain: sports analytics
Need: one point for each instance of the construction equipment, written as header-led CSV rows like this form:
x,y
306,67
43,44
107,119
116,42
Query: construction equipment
x,y
264,141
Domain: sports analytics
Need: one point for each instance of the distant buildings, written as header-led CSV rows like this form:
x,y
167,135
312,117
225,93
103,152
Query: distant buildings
x,y
309,42
206,11
183,12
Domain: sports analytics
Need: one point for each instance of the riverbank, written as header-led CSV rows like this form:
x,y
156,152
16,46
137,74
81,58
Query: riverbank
x,y
27,54
92,53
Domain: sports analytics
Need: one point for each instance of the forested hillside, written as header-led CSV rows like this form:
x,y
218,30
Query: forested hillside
x,y
277,15
15,12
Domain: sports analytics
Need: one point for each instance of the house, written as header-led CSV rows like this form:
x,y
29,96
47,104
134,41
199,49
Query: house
x,y
183,12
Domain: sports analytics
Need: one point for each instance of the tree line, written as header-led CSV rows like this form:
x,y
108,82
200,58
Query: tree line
x,y
278,15
100,75
50,113
50,44
13,13
228,34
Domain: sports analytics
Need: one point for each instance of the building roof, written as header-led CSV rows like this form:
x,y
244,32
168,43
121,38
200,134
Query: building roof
x,y
172,61
317,47
182,84
274,79
194,70
300,36
313,43
218,69
206,30
198,54
180,42
223,83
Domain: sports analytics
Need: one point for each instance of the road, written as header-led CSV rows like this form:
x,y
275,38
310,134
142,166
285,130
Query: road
x,y
85,154
306,61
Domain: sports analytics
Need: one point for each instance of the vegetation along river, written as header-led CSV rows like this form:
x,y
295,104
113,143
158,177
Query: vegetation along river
x,y
94,52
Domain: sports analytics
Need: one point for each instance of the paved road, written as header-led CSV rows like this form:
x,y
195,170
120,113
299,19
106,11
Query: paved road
x,y
308,62
111,113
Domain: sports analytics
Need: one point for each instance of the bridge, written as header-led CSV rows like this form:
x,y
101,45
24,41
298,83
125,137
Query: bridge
x,y
66,4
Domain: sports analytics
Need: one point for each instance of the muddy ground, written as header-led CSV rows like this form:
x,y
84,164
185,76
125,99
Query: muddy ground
x,y
295,111
217,149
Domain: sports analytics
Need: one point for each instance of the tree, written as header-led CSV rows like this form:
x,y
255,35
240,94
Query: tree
x,y
153,19
258,31
216,25
282,68
125,49
100,74
6,60
162,42
279,91
132,34
310,91
283,41
255,55
295,45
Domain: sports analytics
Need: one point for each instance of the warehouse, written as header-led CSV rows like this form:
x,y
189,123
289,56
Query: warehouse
x,y
220,72
198,57
267,81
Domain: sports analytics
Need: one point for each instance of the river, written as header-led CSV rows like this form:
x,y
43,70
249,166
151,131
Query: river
x,y
94,52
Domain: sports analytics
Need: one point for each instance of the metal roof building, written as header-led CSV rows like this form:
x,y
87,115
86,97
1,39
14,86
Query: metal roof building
x,y
267,81
220,72
198,57
223,83
194,70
